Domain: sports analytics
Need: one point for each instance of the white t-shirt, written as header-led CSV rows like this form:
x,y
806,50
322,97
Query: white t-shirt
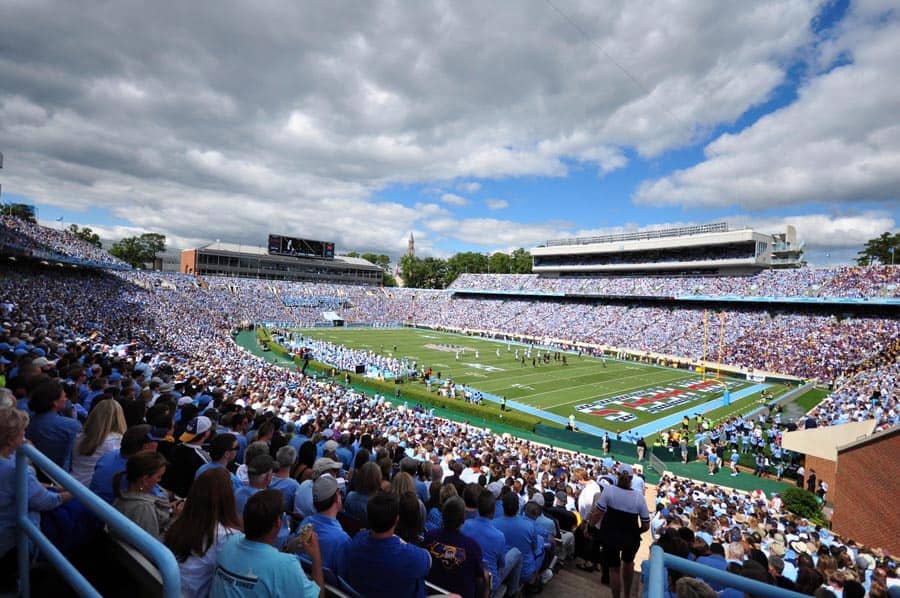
x,y
197,571
83,465
587,498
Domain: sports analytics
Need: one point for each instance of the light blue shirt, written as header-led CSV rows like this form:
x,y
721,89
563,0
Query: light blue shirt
x,y
247,568
39,499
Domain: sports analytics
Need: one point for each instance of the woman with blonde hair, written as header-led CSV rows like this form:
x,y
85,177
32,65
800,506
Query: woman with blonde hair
x,y
102,434
12,435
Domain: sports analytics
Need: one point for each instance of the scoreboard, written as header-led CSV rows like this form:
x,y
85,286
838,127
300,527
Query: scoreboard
x,y
292,246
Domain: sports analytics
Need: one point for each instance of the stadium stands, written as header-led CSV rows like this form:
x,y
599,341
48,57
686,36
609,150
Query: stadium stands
x,y
160,346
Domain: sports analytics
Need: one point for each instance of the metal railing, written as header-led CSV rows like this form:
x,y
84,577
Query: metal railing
x,y
681,231
124,528
660,561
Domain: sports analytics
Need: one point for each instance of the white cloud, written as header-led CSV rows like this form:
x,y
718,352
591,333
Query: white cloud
x,y
838,142
355,99
454,199
496,204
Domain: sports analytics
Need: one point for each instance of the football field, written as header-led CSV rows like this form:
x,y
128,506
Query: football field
x,y
607,393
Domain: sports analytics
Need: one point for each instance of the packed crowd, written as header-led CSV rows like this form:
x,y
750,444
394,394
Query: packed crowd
x,y
840,281
803,345
752,535
138,390
34,237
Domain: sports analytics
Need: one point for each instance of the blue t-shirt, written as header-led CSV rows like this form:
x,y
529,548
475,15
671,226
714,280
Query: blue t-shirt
x,y
520,533
247,568
492,543
54,434
303,499
288,488
333,543
236,482
39,499
386,567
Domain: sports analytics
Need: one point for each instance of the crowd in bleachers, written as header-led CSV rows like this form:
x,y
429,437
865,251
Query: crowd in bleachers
x,y
838,281
752,535
803,345
32,236
143,383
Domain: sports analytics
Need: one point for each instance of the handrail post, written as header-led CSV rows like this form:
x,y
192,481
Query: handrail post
x,y
656,583
22,511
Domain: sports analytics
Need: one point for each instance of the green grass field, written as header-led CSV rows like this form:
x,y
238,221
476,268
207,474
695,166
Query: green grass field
x,y
591,389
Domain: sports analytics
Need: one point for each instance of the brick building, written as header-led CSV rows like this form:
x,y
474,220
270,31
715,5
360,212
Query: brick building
x,y
820,445
867,487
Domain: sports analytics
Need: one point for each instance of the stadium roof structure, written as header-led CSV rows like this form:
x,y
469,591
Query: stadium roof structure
x,y
702,249
825,442
262,251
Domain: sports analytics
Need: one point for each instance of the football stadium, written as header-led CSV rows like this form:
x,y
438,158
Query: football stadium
x,y
678,378
450,300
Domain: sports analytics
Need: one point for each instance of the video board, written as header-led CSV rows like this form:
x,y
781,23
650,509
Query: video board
x,y
295,247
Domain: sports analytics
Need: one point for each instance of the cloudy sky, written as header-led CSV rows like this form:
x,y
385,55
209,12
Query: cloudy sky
x,y
476,125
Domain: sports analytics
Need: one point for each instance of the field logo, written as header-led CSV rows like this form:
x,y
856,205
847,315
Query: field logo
x,y
483,367
613,415
657,399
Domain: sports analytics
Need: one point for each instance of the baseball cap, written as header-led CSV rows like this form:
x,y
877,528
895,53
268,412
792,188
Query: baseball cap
x,y
538,499
324,464
561,496
331,445
196,427
261,464
324,487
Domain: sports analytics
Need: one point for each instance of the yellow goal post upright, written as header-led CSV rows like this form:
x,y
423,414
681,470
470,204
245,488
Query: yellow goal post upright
x,y
726,396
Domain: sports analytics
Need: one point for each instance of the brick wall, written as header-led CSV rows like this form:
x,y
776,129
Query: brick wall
x,y
867,490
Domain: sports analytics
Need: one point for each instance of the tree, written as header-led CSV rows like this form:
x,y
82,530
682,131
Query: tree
x,y
352,254
521,261
802,503
880,250
141,250
381,260
86,235
467,261
499,263
427,273
22,211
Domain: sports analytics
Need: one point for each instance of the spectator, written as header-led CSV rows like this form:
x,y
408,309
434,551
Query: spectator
x,y
102,434
208,520
456,559
135,440
249,565
366,483
285,458
12,434
138,502
622,516
189,456
333,540
222,451
50,431
504,564
520,533
379,564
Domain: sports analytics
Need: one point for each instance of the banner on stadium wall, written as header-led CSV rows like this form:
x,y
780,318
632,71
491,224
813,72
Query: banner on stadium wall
x,y
756,378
